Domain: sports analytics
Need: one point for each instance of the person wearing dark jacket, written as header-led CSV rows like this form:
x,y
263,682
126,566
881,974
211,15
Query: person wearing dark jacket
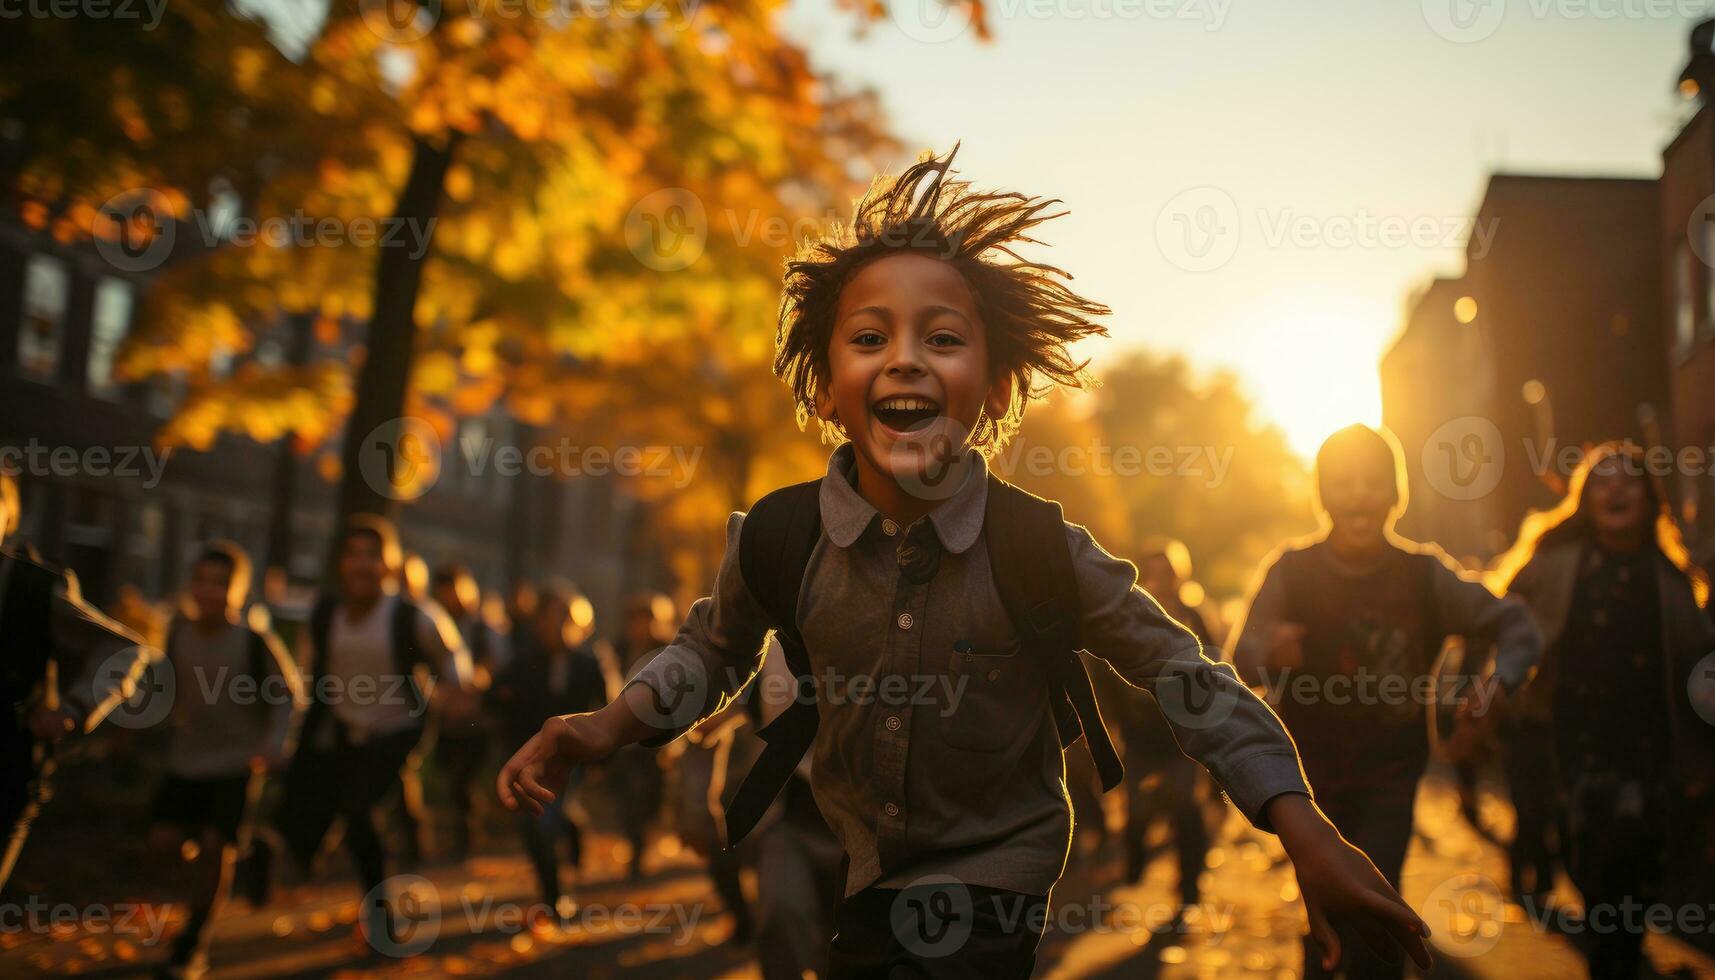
x,y
553,671
1342,630
63,668
1607,577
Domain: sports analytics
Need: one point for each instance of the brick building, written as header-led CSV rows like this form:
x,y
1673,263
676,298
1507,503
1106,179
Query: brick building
x,y
1557,344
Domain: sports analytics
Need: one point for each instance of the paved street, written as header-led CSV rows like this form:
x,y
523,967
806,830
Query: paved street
x,y
671,925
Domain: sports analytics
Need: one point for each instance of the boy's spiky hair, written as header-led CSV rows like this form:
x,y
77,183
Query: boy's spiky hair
x,y
1029,314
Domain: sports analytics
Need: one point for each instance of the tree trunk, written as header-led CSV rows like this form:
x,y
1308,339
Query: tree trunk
x,y
386,371
300,327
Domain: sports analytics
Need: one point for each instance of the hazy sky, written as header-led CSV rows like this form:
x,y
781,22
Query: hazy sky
x,y
1259,184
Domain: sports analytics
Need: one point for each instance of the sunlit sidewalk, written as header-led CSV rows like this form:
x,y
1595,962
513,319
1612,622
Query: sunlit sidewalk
x,y
1249,921
482,918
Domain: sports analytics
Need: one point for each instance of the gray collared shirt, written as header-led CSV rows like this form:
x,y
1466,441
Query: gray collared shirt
x,y
936,751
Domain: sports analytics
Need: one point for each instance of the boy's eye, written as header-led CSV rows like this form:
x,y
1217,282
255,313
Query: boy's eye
x,y
946,340
869,338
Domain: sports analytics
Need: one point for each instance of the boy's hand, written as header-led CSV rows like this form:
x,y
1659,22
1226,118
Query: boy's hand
x,y
547,759
1286,646
1342,889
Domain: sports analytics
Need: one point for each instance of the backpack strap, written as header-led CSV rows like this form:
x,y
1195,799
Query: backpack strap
x,y
1032,566
774,547
321,629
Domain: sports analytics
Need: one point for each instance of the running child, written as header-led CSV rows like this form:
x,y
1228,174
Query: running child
x,y
917,337
1363,613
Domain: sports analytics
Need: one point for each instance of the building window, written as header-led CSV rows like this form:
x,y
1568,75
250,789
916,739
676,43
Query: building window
x,y
47,287
108,326
1685,315
220,362
165,393
472,445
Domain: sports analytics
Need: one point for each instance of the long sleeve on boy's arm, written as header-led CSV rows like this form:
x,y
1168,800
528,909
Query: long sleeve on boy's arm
x,y
1469,609
714,654
1249,644
1216,719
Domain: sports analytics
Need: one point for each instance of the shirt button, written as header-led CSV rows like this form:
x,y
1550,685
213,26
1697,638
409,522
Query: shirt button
x,y
893,723
889,528
891,810
905,621
994,675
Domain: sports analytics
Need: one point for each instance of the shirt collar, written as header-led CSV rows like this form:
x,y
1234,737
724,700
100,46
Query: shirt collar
x,y
957,520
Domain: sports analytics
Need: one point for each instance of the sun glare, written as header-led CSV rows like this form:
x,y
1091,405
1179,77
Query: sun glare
x,y
1312,368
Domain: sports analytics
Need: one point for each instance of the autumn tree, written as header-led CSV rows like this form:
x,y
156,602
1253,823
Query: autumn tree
x,y
526,161
1199,466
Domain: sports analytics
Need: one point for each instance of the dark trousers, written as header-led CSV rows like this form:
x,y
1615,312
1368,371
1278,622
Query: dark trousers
x,y
1377,820
345,781
460,756
798,864
542,842
1528,754
1170,787
24,769
1615,858
947,930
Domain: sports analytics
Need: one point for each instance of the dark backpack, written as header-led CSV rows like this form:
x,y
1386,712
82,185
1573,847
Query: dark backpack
x,y
1033,573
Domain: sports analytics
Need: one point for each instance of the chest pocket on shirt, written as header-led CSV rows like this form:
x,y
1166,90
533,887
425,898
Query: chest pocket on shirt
x,y
987,709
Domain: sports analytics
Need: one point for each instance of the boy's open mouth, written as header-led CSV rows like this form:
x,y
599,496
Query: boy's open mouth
x,y
903,413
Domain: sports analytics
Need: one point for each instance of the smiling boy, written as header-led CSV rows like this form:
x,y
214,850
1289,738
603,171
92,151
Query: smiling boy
x,y
916,337
1344,632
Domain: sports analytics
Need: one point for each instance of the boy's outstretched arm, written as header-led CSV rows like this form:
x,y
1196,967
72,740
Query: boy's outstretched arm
x,y
713,657
1469,609
1265,643
1219,722
564,741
